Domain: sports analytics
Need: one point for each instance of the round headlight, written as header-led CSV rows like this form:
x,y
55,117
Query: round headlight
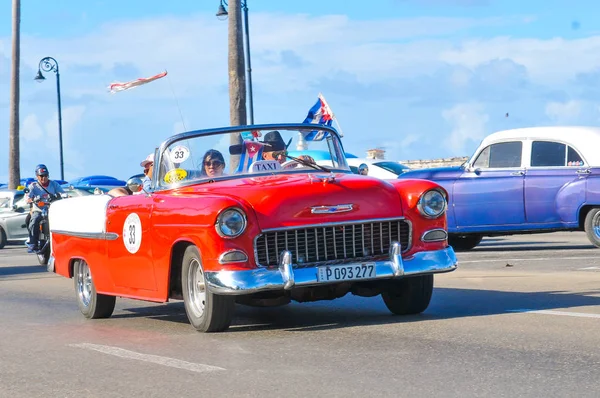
x,y
231,223
432,204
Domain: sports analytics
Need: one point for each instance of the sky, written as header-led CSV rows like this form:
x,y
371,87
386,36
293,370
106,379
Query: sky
x,y
422,79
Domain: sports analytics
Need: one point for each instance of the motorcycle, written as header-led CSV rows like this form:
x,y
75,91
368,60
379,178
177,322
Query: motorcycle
x,y
43,253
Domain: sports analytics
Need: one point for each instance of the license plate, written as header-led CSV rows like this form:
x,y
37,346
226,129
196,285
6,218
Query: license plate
x,y
346,272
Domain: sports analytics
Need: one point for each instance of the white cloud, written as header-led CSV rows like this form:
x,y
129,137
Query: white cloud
x,y
548,61
30,130
564,112
468,123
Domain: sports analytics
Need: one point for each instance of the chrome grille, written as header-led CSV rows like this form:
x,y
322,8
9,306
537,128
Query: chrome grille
x,y
333,243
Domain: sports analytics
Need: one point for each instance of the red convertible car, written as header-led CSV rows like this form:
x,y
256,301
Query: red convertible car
x,y
231,217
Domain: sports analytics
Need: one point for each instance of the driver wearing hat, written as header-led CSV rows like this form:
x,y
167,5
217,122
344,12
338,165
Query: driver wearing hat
x,y
276,149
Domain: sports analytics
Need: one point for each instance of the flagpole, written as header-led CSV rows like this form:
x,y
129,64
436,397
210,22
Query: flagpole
x,y
332,114
339,127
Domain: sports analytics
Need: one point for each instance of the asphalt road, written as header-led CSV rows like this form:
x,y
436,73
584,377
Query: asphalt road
x,y
520,317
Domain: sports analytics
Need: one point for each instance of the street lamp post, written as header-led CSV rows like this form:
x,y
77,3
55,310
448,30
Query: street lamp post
x,y
222,15
49,64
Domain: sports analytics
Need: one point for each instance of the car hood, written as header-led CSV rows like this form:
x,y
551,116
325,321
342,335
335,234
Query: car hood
x,y
434,174
287,200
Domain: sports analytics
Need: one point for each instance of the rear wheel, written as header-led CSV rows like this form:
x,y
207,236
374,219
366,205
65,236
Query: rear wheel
x,y
408,296
464,242
592,226
91,304
2,238
206,311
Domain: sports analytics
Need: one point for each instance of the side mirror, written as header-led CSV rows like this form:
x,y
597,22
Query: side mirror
x,y
18,209
363,169
135,184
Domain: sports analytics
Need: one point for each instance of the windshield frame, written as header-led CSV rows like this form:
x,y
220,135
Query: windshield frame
x,y
158,154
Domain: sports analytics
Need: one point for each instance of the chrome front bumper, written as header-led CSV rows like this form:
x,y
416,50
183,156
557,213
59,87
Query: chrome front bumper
x,y
285,277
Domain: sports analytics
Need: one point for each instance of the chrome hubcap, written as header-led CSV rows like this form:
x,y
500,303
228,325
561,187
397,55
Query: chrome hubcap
x,y
196,288
596,224
84,283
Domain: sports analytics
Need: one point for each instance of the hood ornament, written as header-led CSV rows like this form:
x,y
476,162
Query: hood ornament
x,y
331,209
325,178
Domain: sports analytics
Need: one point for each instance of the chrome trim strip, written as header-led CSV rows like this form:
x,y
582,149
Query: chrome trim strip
x,y
89,235
286,277
331,209
335,224
223,261
434,240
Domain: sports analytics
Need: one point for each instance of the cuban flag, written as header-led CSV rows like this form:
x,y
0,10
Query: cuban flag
x,y
320,113
119,86
251,152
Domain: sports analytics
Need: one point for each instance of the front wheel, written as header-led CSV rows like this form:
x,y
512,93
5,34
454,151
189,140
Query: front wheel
x,y
206,311
592,226
408,296
91,304
464,242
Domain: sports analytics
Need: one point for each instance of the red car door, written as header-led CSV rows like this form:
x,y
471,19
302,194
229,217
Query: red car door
x,y
130,254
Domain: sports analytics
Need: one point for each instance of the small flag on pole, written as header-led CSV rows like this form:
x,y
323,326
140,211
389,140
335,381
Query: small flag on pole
x,y
118,86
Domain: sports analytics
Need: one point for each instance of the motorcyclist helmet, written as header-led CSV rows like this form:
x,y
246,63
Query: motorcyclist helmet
x,y
41,170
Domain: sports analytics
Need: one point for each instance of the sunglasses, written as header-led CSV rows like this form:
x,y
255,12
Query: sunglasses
x,y
277,154
213,163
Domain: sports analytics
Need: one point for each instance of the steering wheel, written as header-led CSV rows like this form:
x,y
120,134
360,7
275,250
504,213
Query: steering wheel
x,y
288,163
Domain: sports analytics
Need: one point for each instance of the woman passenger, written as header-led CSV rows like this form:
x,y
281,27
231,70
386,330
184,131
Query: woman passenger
x,y
213,163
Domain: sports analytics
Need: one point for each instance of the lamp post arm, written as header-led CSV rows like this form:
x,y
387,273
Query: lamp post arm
x,y
48,64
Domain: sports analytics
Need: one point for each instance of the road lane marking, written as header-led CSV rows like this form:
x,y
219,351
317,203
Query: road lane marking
x,y
156,359
559,313
492,260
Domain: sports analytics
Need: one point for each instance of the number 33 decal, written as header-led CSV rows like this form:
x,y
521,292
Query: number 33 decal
x,y
132,233
179,154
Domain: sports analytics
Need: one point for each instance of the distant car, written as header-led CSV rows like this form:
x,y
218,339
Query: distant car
x,y
14,209
98,180
522,181
379,168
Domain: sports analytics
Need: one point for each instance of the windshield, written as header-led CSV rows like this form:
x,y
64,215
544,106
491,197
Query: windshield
x,y
393,167
204,157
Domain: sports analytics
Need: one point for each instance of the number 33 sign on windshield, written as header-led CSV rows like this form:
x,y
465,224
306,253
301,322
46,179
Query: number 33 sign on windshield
x,y
132,233
179,154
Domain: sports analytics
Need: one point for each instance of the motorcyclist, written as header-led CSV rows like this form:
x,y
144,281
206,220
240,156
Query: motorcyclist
x,y
42,189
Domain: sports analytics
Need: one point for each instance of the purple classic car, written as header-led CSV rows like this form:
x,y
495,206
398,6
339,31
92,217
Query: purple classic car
x,y
522,181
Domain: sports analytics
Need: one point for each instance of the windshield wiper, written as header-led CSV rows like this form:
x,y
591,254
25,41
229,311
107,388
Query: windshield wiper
x,y
309,164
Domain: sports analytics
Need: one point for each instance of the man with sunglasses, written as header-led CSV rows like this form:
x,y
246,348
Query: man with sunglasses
x,y
276,149
40,192
148,165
